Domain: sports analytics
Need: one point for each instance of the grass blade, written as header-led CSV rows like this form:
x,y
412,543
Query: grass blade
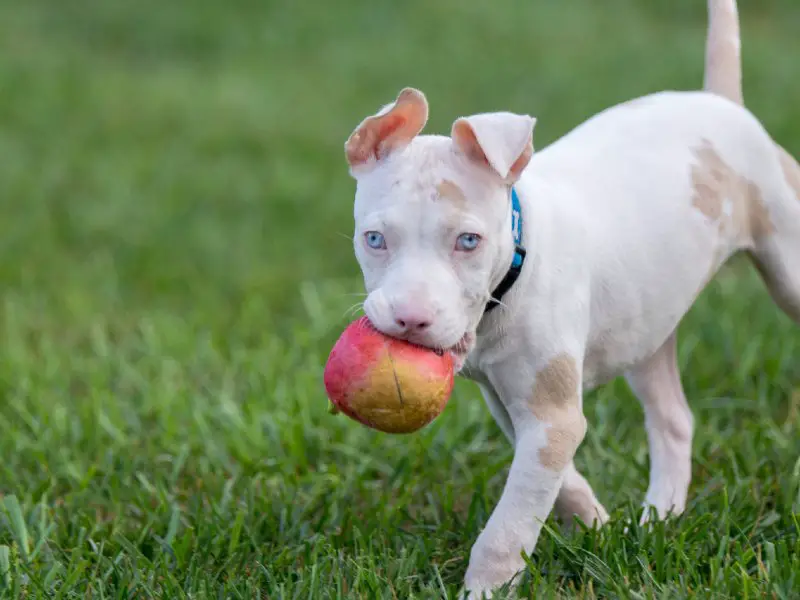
x,y
5,567
18,527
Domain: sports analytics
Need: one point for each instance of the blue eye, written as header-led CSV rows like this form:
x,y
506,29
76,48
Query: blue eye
x,y
467,242
375,240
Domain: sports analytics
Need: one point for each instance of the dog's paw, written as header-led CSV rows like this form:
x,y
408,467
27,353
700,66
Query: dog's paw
x,y
660,510
650,515
498,592
500,580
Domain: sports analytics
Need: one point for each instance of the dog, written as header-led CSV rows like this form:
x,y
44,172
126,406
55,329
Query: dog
x,y
547,274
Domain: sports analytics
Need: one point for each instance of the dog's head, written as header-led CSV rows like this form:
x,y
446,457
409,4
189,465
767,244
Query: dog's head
x,y
433,218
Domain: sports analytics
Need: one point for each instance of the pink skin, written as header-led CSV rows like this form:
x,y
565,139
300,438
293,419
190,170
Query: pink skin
x,y
360,350
461,350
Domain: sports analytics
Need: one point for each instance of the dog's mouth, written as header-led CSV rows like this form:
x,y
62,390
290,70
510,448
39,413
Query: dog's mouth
x,y
461,350
464,345
458,351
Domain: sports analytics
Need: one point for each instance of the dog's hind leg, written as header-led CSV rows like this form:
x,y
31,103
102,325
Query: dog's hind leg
x,y
576,498
670,425
776,253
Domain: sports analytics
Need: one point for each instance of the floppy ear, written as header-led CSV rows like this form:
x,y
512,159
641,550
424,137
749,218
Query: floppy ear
x,y
502,141
389,130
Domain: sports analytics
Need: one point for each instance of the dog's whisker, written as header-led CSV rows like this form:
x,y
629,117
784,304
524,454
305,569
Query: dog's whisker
x,y
499,302
354,309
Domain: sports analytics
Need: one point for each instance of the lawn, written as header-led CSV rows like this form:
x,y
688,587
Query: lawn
x,y
174,220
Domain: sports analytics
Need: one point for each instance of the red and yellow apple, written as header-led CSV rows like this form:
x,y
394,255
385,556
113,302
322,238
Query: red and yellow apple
x,y
385,383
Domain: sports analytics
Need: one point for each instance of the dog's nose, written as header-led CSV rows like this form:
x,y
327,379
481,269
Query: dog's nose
x,y
412,319
411,324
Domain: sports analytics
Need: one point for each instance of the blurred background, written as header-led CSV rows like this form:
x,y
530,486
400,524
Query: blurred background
x,y
175,214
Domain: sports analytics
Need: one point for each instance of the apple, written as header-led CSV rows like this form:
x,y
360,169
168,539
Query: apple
x,y
386,383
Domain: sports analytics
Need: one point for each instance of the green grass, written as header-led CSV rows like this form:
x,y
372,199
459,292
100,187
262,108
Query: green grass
x,y
173,199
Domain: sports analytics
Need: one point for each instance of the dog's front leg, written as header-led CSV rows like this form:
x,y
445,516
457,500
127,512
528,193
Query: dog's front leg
x,y
546,412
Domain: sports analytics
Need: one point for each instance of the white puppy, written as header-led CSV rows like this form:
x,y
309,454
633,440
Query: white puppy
x,y
624,221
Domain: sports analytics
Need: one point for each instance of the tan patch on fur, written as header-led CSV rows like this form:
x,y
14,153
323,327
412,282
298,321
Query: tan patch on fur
x,y
449,190
760,223
715,183
791,171
561,444
555,401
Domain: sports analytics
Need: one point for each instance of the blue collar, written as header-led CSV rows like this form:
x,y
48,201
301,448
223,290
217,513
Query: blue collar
x,y
519,254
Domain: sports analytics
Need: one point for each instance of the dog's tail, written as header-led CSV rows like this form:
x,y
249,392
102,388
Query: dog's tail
x,y
723,75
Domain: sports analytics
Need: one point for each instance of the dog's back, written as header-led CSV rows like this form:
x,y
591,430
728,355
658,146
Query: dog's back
x,y
653,197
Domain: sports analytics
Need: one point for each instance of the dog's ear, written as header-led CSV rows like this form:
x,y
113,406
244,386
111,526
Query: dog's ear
x,y
391,129
501,141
